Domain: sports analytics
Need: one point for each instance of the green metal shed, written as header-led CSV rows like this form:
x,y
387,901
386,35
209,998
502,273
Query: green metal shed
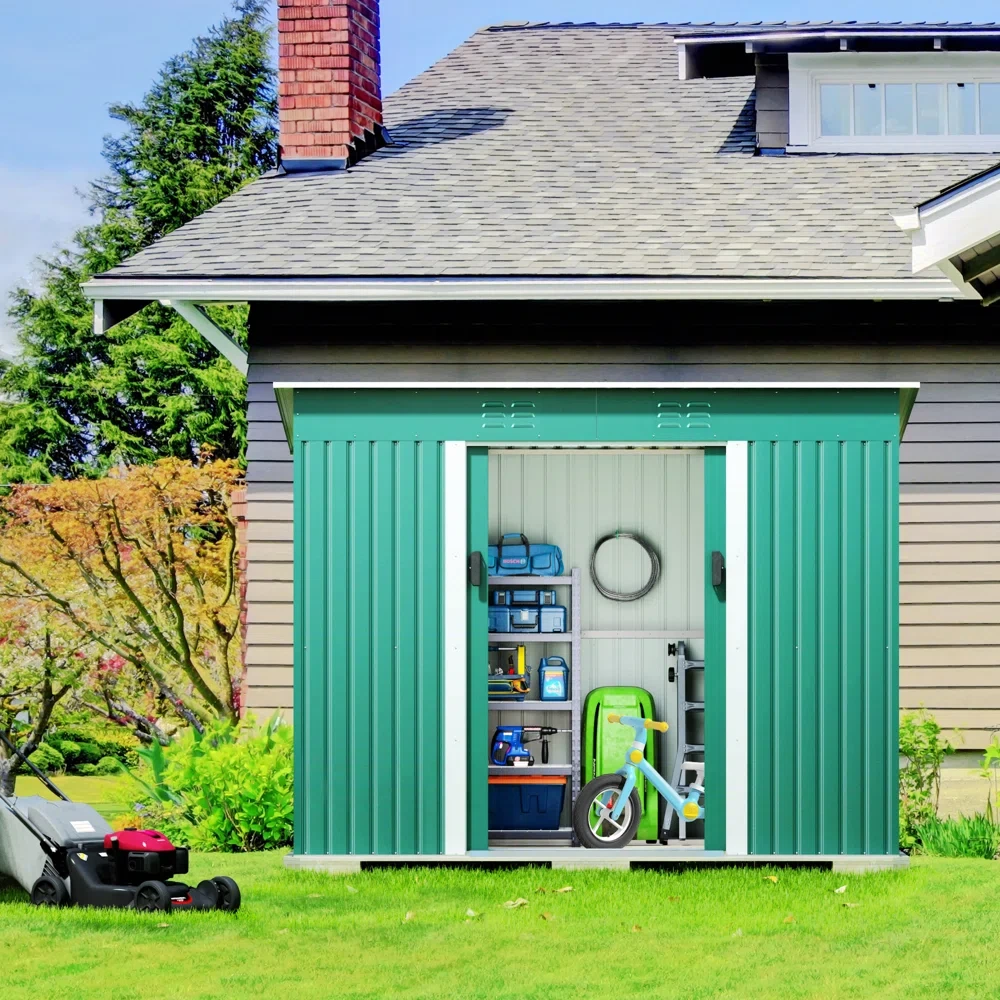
x,y
800,644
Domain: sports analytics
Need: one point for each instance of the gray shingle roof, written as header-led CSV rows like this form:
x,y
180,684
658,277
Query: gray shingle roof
x,y
567,151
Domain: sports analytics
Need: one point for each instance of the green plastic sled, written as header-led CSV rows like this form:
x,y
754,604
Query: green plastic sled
x,y
606,743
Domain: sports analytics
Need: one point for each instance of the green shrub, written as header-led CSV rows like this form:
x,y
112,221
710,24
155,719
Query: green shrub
x,y
975,836
108,765
70,751
229,789
96,742
47,758
86,770
921,745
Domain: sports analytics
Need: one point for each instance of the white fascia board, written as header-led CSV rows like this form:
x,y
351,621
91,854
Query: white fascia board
x,y
956,222
831,34
519,289
597,385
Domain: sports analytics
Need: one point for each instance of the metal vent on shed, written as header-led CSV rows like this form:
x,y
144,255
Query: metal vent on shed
x,y
683,416
516,415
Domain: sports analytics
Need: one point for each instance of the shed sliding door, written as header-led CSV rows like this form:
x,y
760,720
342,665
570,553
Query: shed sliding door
x,y
368,636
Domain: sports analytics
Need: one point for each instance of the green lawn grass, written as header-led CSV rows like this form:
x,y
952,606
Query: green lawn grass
x,y
930,931
110,796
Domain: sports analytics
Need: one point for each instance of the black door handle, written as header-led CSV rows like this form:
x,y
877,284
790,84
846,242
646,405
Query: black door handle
x,y
476,565
718,569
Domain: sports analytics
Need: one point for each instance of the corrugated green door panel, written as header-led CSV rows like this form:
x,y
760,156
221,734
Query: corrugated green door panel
x,y
478,657
715,654
368,647
823,658
806,664
529,415
762,679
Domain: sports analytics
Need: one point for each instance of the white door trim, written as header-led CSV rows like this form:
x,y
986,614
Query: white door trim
x,y
737,678
455,722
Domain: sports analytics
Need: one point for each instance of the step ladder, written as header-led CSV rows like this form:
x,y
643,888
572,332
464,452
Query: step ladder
x,y
689,764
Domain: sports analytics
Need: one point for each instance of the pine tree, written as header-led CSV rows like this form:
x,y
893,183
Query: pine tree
x,y
76,403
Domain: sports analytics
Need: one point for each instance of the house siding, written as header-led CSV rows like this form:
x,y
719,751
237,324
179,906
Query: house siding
x,y
949,473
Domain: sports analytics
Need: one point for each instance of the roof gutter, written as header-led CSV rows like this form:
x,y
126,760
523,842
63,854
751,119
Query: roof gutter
x,y
518,289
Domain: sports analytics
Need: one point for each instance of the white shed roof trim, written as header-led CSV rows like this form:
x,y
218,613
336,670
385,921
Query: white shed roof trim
x,y
514,289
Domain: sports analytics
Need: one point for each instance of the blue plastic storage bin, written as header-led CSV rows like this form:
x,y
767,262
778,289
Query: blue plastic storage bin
x,y
526,802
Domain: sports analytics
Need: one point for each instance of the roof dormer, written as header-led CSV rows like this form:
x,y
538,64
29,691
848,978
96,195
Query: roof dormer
x,y
860,88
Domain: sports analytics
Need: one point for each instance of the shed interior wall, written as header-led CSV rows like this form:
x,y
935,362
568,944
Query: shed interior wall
x,y
574,497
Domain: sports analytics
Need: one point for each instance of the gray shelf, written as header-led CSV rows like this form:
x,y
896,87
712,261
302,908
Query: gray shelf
x,y
562,833
531,706
573,638
536,769
523,638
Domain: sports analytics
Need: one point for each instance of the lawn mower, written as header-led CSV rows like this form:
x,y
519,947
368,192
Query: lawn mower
x,y
64,853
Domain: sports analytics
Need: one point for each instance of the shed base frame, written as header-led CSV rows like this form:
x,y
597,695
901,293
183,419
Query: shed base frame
x,y
577,858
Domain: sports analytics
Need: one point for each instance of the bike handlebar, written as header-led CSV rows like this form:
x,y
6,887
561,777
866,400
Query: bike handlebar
x,y
647,723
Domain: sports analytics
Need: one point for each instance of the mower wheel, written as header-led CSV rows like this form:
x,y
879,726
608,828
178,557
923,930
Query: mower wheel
x,y
229,893
49,891
152,897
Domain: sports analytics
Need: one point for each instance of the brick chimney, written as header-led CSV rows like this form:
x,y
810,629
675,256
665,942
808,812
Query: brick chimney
x,y
329,86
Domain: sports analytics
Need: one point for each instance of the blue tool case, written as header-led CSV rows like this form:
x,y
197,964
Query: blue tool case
x,y
508,597
499,619
550,619
524,619
523,558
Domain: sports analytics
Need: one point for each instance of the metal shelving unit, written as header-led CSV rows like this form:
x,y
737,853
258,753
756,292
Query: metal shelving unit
x,y
571,706
690,757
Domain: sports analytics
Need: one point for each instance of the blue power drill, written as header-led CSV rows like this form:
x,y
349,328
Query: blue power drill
x,y
509,747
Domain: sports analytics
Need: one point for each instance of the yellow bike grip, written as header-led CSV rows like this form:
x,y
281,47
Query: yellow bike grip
x,y
661,726
614,718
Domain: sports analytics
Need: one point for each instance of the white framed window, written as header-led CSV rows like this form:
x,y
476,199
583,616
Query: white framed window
x,y
894,102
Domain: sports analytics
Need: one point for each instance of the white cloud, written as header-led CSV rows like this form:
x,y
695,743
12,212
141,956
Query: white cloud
x,y
39,209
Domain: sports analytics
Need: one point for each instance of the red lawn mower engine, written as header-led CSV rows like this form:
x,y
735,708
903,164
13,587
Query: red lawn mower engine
x,y
144,861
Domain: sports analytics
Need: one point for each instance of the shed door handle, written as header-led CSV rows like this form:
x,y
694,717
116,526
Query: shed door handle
x,y
476,564
718,569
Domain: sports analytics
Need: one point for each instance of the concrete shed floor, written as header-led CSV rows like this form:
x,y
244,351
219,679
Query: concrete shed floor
x,y
645,856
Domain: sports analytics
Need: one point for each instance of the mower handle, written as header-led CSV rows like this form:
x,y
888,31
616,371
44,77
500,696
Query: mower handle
x,y
39,774
661,727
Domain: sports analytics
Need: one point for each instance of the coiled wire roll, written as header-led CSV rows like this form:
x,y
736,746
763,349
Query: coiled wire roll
x,y
654,575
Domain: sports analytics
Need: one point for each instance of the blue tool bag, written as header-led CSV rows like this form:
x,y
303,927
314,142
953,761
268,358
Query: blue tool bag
x,y
523,559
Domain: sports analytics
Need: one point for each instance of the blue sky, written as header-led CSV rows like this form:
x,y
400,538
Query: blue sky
x,y
62,63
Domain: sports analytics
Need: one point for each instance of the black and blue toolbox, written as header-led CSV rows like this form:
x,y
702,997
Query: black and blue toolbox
x,y
523,558
527,618
513,597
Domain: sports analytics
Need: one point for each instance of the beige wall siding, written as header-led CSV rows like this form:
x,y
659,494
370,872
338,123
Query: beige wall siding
x,y
269,543
950,483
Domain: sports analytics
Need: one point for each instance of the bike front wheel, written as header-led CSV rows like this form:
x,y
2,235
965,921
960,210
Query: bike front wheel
x,y
592,813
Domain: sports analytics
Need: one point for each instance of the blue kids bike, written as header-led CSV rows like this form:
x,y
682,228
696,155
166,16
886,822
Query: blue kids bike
x,y
608,810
